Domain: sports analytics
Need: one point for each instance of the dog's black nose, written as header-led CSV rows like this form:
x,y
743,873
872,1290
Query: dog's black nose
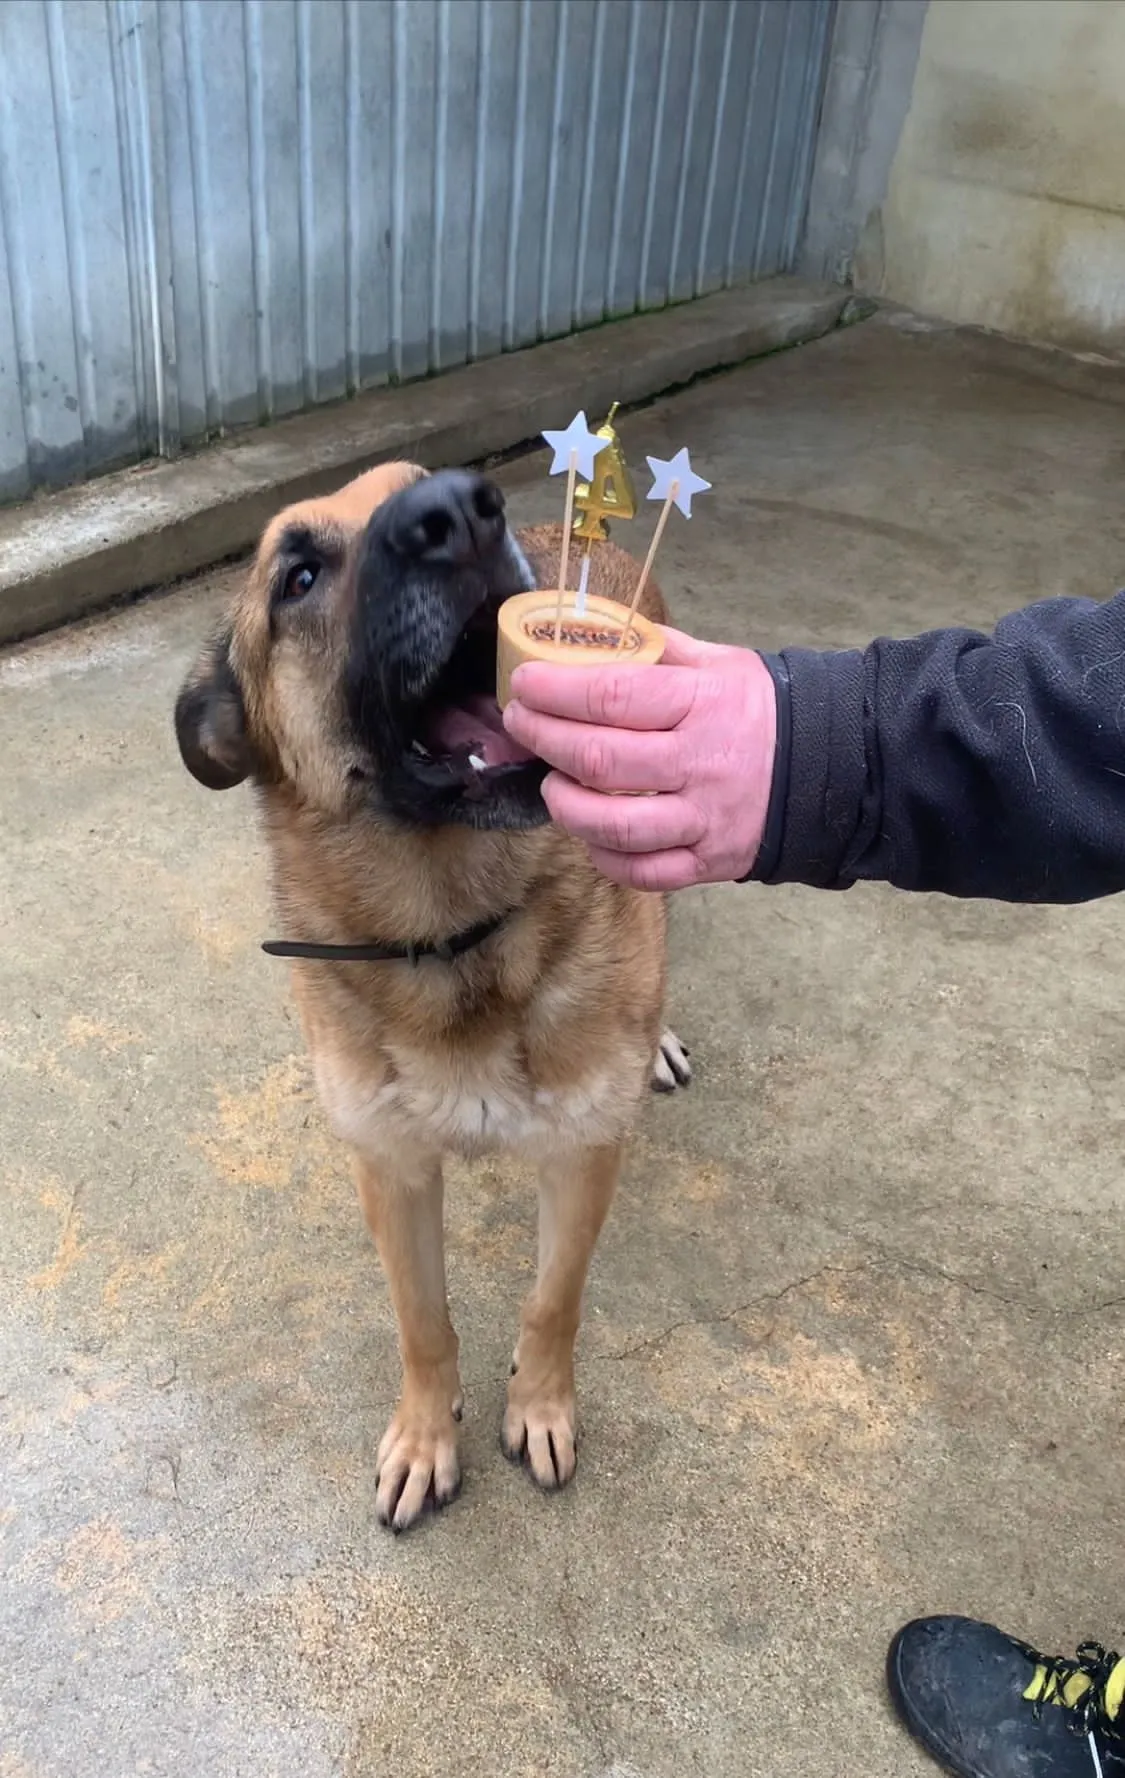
x,y
454,516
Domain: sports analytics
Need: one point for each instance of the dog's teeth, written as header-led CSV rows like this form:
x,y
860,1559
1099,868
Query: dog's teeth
x,y
476,762
422,752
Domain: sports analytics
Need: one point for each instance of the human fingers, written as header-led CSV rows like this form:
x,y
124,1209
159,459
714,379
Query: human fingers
x,y
623,823
636,697
604,758
682,650
656,872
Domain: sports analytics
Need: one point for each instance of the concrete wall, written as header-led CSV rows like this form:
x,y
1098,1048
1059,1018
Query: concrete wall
x,y
1006,201
867,88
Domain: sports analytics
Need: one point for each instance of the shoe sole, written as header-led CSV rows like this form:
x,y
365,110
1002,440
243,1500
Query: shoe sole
x,y
922,1732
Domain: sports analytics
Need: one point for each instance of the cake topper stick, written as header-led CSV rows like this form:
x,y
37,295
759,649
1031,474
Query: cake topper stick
x,y
564,557
674,482
647,569
575,450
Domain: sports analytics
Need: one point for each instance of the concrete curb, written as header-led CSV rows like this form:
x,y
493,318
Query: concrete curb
x,y
72,552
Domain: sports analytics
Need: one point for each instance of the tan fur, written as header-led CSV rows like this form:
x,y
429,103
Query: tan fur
x,y
540,1040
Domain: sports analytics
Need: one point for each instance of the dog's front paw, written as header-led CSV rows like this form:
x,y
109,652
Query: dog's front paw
x,y
539,1425
672,1067
417,1466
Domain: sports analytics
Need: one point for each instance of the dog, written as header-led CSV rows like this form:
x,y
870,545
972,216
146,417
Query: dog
x,y
505,995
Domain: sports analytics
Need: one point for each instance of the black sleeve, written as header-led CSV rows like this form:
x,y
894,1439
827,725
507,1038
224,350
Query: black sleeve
x,y
988,766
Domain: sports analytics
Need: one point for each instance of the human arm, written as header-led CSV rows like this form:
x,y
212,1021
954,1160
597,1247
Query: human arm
x,y
988,766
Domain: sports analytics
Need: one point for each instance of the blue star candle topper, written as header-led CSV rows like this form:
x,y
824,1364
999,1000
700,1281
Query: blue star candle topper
x,y
575,450
577,442
674,482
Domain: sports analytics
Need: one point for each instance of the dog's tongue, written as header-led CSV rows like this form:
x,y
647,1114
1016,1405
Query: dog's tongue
x,y
478,726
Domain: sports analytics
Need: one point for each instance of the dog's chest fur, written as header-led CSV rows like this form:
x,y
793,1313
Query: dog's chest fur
x,y
541,1039
473,1103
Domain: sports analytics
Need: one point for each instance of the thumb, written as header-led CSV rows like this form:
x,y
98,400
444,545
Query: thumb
x,y
681,650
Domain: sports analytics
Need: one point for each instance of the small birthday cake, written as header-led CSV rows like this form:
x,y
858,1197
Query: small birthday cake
x,y
571,627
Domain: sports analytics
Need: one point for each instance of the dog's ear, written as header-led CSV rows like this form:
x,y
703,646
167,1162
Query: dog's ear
x,y
211,720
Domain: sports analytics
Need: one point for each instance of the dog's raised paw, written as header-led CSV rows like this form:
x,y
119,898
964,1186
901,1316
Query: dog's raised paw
x,y
672,1067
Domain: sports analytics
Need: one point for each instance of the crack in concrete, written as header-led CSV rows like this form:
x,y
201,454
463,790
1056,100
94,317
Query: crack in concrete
x,y
971,1286
1111,1302
938,1274
875,1254
725,1315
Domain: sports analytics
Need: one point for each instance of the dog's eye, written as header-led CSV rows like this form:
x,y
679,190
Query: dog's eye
x,y
300,580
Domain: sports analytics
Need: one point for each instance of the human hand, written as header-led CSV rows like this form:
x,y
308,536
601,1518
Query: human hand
x,y
696,733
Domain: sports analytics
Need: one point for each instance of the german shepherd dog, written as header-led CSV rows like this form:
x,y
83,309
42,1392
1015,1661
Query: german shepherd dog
x,y
514,997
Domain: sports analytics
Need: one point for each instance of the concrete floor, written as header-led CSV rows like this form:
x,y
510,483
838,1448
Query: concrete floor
x,y
853,1344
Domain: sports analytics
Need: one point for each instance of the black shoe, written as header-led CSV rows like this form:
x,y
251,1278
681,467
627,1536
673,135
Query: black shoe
x,y
986,1706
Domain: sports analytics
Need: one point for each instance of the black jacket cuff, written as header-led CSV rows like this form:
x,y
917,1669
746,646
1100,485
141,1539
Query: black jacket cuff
x,y
769,849
820,768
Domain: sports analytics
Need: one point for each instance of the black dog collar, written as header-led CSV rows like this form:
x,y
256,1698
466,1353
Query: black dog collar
x,y
446,950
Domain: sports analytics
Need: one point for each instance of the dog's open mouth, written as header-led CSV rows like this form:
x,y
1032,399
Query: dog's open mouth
x,y
473,730
457,732
438,563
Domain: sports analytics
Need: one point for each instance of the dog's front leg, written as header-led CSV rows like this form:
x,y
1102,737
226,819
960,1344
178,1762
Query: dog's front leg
x,y
575,1192
417,1462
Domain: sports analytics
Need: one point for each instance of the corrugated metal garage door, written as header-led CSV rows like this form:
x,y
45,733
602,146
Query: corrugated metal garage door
x,y
213,212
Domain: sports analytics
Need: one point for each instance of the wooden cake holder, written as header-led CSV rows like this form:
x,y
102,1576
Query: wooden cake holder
x,y
525,631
